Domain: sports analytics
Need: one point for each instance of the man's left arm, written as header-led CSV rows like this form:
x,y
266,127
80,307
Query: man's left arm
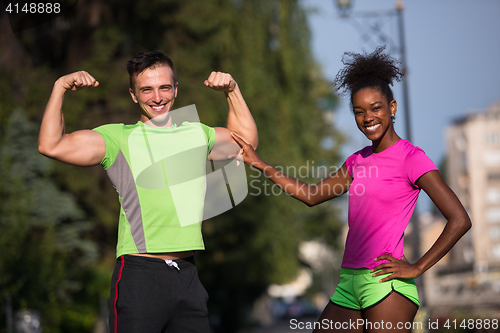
x,y
239,118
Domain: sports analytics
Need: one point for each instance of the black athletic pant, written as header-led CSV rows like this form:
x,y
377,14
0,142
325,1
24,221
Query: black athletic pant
x,y
149,296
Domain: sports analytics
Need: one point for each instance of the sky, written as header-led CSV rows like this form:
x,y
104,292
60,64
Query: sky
x,y
453,60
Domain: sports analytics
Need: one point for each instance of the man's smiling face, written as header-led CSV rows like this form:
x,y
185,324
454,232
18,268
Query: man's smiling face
x,y
155,92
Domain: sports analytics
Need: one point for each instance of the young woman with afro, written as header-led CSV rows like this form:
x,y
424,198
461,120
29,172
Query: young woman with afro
x,y
376,292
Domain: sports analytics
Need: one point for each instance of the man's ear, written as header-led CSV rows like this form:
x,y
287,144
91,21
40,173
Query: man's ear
x,y
176,85
132,94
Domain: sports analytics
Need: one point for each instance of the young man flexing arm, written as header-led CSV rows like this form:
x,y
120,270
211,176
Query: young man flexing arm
x,y
83,148
155,283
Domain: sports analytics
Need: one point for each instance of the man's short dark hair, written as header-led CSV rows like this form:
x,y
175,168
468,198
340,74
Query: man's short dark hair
x,y
145,60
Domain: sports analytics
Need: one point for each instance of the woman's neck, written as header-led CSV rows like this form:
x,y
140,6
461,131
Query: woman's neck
x,y
386,141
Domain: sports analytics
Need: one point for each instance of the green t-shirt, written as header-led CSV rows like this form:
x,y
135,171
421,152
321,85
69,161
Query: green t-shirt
x,y
159,174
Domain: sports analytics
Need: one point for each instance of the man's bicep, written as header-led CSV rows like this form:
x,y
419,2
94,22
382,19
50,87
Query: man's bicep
x,y
83,148
222,134
224,145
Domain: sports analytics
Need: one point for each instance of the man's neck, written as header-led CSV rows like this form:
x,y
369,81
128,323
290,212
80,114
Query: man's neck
x,y
155,122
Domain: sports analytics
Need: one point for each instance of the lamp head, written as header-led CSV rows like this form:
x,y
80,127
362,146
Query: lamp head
x,y
344,6
400,5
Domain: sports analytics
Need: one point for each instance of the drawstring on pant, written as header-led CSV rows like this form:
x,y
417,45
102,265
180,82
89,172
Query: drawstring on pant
x,y
172,263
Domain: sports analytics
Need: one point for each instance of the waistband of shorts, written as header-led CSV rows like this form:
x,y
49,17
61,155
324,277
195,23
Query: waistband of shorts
x,y
184,263
354,271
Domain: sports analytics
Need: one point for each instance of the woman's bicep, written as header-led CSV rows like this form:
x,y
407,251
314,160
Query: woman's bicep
x,y
333,186
441,194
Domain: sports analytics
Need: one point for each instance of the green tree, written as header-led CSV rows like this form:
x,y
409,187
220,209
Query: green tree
x,y
265,46
46,248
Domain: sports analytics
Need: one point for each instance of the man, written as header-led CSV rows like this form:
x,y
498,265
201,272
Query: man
x,y
155,285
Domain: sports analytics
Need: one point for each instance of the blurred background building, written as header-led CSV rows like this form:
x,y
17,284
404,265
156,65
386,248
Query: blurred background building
x,y
468,278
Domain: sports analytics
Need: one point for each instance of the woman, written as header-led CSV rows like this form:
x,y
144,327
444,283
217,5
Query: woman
x,y
376,291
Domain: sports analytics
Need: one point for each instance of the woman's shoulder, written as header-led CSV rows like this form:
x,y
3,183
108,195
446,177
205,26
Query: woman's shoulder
x,y
363,152
406,148
414,157
360,154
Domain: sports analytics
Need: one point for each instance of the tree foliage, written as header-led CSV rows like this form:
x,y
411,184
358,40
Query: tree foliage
x,y
264,45
45,241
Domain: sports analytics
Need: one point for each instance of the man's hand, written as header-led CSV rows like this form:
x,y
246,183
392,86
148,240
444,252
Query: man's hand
x,y
221,82
77,81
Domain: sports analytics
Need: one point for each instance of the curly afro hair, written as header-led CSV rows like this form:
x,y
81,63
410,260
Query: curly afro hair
x,y
374,70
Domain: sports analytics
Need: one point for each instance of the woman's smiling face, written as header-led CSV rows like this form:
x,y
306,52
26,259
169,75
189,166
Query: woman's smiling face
x,y
373,115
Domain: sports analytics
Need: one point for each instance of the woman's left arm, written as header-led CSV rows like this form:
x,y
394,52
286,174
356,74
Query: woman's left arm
x,y
458,224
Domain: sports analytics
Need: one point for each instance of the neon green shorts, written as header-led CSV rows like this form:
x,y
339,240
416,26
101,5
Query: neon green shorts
x,y
359,290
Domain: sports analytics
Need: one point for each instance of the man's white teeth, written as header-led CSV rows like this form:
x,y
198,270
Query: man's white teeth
x,y
157,107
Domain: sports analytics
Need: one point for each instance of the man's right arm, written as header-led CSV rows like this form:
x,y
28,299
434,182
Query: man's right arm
x,y
83,148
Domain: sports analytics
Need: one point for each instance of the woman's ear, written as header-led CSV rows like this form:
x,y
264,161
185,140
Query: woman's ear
x,y
393,106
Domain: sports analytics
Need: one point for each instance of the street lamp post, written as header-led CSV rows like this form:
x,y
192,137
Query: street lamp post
x,y
378,19
344,7
402,53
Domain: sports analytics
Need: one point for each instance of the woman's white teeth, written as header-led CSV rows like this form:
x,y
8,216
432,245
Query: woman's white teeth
x,y
371,128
